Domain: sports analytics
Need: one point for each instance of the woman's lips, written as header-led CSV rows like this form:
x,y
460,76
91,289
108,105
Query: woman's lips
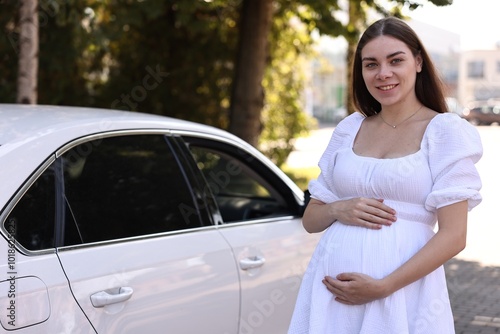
x,y
386,87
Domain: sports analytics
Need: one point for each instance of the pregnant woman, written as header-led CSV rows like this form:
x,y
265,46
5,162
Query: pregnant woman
x,y
390,172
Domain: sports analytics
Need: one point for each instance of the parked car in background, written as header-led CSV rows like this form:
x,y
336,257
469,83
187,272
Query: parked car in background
x,y
121,222
483,114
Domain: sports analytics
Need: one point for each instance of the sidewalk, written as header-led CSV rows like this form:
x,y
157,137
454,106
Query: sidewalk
x,y
475,296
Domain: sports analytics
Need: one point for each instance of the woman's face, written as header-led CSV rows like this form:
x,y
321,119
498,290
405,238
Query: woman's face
x,y
389,70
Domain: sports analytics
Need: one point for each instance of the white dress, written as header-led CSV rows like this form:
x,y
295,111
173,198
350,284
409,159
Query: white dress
x,y
442,172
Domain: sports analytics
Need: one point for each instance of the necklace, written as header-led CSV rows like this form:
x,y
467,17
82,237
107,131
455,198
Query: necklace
x,y
394,126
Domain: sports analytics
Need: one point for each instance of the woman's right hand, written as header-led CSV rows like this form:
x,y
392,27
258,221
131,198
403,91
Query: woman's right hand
x,y
366,212
370,213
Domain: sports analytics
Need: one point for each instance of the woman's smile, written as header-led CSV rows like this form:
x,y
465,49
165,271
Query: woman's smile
x,y
387,87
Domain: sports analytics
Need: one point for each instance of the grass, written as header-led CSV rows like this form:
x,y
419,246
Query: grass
x,y
301,176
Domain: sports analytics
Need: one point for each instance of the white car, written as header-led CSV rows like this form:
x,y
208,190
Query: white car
x,y
120,222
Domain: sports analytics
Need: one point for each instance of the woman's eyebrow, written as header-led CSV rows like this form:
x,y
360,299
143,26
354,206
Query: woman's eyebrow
x,y
388,56
395,54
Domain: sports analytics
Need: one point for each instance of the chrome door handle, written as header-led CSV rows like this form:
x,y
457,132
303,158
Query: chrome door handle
x,y
111,296
252,262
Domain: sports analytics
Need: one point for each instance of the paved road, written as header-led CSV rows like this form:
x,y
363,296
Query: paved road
x,y
473,275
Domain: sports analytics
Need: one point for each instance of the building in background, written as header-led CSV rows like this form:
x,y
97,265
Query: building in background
x,y
479,80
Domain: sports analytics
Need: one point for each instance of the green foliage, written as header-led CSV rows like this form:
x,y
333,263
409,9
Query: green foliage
x,y
62,61
319,15
168,57
283,116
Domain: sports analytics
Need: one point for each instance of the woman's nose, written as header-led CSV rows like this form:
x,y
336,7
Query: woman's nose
x,y
384,73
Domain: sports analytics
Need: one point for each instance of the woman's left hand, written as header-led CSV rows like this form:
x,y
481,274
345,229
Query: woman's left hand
x,y
355,288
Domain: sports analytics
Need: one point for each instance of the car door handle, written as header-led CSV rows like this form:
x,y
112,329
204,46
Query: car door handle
x,y
252,262
112,296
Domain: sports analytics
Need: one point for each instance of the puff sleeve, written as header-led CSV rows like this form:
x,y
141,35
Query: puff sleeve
x,y
454,146
322,188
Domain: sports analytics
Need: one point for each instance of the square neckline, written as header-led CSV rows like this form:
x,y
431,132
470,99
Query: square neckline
x,y
351,145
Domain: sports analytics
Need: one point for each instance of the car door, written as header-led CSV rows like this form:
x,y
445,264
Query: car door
x,y
138,246
262,222
35,296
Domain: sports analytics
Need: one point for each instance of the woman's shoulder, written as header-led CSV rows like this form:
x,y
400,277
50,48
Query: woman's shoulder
x,y
347,127
350,122
448,130
355,117
447,117
449,124
344,132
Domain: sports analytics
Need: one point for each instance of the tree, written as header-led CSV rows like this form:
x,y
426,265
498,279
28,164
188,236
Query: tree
x,y
247,98
28,52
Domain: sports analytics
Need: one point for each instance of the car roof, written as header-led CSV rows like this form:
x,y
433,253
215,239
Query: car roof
x,y
20,123
29,134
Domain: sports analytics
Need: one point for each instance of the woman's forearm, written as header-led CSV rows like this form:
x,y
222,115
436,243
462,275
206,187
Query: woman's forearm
x,y
318,216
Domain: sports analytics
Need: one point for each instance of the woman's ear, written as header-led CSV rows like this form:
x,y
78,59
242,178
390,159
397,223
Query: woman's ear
x,y
420,63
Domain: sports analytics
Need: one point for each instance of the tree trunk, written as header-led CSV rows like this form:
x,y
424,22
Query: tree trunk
x,y
247,97
28,52
356,19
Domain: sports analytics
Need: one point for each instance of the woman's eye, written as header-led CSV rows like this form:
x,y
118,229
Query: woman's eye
x,y
396,61
370,65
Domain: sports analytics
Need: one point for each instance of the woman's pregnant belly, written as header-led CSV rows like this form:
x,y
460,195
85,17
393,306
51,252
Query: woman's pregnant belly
x,y
376,253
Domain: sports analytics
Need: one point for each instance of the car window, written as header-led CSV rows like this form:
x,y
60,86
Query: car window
x,y
126,186
31,222
110,188
240,191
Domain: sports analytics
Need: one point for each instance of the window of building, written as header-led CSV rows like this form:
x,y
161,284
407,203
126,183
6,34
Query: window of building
x,y
475,69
